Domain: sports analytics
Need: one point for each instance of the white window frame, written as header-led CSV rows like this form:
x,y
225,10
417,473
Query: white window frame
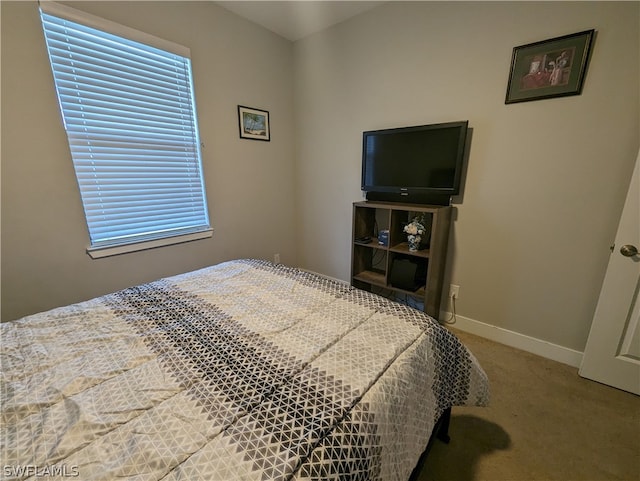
x,y
134,242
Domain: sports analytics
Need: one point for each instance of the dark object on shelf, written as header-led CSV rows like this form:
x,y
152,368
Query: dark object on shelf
x,y
363,240
408,274
383,237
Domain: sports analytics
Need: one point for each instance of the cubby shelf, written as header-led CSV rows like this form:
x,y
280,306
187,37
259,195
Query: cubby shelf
x,y
372,263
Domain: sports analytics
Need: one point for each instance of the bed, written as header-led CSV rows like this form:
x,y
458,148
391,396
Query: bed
x,y
245,370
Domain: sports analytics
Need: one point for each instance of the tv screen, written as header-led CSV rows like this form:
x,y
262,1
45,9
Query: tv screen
x,y
421,160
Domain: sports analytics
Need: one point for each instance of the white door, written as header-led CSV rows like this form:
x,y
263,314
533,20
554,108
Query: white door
x,y
612,354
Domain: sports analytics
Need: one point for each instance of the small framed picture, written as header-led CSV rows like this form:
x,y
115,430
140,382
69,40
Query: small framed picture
x,y
551,68
254,123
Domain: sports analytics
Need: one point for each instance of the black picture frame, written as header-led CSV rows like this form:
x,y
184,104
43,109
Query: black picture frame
x,y
254,123
555,67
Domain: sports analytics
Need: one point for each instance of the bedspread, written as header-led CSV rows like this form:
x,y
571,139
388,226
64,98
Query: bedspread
x,y
243,370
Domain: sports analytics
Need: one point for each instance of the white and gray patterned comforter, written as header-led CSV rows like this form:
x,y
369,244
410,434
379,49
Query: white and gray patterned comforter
x,y
244,370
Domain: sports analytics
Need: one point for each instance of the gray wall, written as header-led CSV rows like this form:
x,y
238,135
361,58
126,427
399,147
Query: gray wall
x,y
249,183
546,180
544,188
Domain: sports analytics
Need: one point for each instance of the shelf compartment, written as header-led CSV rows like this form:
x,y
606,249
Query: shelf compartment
x,y
370,262
374,277
403,248
420,292
372,245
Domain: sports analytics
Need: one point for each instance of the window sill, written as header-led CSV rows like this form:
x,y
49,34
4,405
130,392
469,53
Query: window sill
x,y
100,252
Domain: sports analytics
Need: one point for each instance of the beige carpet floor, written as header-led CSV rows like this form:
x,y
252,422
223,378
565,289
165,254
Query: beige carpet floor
x,y
545,423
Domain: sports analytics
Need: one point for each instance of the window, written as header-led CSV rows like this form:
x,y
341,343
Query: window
x,y
129,112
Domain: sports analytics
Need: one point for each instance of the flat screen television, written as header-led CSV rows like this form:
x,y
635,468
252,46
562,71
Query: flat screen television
x,y
415,164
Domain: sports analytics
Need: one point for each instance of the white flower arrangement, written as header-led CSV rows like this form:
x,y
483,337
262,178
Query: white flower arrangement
x,y
415,227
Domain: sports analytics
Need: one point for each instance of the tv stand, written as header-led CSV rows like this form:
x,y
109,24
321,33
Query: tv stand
x,y
424,199
392,266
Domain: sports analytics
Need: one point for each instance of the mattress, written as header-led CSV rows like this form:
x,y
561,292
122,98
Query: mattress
x,y
245,370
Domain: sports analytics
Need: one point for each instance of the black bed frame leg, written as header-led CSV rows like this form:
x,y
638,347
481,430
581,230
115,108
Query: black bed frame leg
x,y
440,431
443,430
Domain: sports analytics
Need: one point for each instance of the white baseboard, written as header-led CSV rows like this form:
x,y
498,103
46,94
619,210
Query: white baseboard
x,y
514,339
530,344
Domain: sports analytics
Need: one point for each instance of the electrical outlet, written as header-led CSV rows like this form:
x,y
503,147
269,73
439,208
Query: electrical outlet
x,y
454,291
276,258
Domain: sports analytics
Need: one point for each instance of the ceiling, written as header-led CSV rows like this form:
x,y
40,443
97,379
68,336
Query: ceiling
x,y
294,20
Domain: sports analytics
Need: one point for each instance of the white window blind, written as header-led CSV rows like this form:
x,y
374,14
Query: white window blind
x,y
129,113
